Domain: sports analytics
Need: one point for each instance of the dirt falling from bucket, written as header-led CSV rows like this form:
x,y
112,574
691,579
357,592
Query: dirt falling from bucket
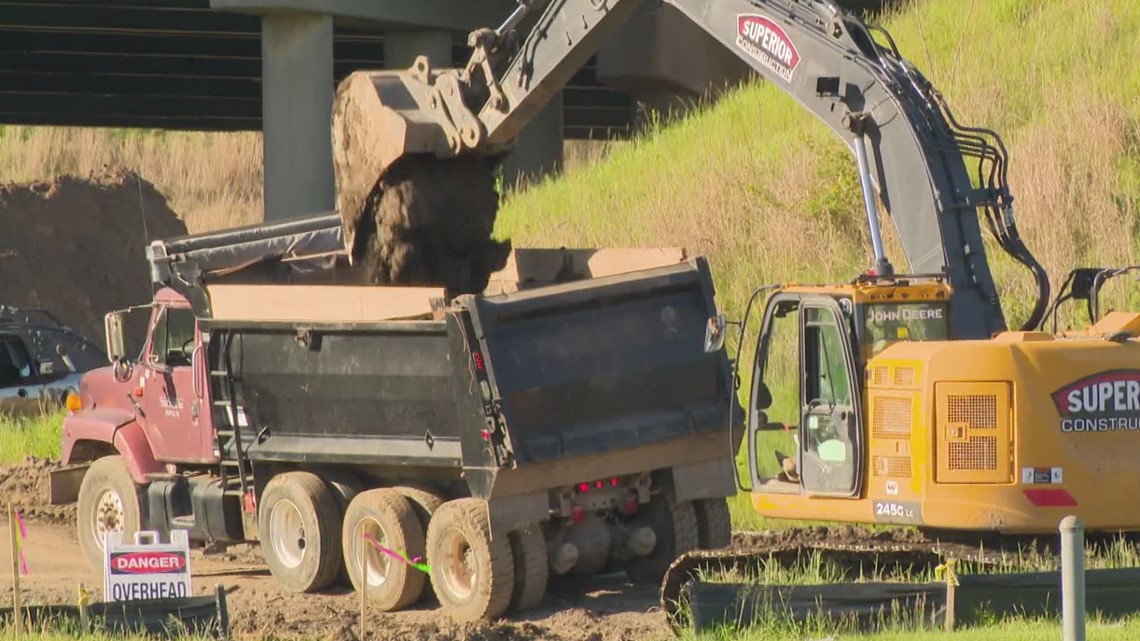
x,y
430,223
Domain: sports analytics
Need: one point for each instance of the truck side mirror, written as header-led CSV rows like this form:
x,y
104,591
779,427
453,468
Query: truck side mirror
x,y
714,333
113,333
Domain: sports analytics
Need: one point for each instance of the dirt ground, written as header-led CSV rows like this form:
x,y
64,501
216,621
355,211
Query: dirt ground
x,y
75,245
604,609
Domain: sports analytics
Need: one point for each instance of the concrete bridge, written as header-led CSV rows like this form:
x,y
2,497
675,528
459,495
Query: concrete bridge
x,y
273,64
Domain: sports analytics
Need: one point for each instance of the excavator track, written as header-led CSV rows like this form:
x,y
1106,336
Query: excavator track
x,y
851,561
853,553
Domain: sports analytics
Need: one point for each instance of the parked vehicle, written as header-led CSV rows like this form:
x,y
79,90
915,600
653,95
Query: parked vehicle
x,y
41,361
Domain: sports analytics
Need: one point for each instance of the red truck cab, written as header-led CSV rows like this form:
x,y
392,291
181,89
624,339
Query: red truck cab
x,y
138,417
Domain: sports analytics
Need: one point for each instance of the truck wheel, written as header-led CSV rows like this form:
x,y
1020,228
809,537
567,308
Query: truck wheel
x,y
532,568
424,502
345,487
714,524
472,574
383,517
675,525
298,519
108,501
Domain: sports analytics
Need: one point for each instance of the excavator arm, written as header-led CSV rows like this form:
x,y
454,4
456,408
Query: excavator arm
x,y
913,155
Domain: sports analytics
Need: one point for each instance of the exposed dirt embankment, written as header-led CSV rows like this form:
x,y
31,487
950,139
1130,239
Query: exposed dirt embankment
x,y
26,486
75,245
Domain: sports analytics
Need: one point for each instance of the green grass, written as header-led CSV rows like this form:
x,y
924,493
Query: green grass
x,y
770,195
22,436
1012,630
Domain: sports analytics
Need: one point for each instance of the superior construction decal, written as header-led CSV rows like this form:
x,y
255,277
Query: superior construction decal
x,y
1104,402
768,43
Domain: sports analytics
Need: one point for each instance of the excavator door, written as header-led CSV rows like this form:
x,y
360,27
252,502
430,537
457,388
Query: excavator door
x,y
805,432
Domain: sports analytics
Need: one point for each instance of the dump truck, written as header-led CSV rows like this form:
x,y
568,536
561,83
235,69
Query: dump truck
x,y
569,419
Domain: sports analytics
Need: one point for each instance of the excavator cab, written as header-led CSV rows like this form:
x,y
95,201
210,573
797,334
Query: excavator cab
x,y
806,429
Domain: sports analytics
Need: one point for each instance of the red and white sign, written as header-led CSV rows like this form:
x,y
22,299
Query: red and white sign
x,y
768,43
1104,402
146,569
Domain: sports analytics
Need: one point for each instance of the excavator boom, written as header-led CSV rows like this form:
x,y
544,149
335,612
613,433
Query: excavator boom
x,y
911,150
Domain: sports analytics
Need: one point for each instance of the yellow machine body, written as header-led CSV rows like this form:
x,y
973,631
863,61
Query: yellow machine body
x,y
1009,434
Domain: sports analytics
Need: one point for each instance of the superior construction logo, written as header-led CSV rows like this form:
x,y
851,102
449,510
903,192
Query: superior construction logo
x,y
1104,402
768,43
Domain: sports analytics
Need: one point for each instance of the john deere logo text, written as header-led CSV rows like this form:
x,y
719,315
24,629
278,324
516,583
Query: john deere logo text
x,y
765,41
1104,402
147,563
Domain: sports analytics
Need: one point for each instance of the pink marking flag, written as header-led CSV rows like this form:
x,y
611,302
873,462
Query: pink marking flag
x,y
422,567
23,536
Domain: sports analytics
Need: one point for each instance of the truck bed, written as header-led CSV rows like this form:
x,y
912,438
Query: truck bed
x,y
571,370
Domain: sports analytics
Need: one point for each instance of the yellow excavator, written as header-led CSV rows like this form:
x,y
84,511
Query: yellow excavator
x,y
914,403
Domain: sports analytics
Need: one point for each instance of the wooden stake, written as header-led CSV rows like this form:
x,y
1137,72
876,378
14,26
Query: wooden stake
x,y
17,615
363,588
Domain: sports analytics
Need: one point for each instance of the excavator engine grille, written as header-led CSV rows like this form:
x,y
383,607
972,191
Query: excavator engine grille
x,y
892,466
904,376
976,410
978,453
973,437
892,417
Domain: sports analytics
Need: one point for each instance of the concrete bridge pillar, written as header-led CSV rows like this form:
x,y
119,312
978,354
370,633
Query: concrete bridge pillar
x,y
402,47
297,96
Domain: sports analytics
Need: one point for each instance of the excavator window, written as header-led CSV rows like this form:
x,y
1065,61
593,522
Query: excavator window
x,y
808,439
776,448
885,324
828,429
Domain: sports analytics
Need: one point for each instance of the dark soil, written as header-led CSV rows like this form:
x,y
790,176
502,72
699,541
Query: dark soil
x,y
429,223
75,246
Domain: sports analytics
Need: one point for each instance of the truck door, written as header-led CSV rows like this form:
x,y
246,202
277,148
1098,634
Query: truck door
x,y
176,423
830,443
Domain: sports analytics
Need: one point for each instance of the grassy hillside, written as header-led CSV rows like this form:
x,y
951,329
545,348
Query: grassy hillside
x,y
769,194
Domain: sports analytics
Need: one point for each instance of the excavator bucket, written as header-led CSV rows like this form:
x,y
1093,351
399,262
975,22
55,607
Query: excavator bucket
x,y
378,118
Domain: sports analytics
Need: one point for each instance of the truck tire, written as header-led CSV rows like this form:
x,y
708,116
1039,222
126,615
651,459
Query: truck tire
x,y
472,574
345,487
424,502
389,520
532,568
714,523
299,521
108,500
675,525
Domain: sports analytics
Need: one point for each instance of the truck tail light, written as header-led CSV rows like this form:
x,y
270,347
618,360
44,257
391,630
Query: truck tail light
x,y
578,514
478,358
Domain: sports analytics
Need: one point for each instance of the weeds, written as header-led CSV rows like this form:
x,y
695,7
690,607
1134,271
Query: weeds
x,y
36,435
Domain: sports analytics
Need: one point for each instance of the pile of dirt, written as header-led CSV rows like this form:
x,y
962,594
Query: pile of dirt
x,y
75,245
429,223
27,486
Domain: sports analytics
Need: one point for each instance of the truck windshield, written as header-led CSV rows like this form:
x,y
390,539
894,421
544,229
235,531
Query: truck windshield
x,y
887,323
